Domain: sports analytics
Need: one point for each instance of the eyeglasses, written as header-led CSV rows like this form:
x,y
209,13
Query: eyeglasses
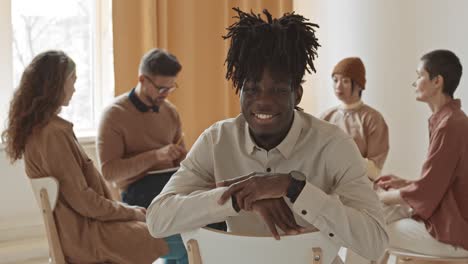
x,y
162,89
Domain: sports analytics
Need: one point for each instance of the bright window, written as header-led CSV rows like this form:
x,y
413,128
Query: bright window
x,y
82,29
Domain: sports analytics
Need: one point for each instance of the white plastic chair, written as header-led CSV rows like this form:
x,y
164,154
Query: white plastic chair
x,y
46,193
209,246
407,257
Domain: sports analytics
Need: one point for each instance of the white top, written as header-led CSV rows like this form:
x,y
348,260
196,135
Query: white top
x,y
337,198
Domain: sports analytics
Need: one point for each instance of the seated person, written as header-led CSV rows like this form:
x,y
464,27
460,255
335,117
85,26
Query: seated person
x,y
91,226
140,141
362,122
300,173
429,215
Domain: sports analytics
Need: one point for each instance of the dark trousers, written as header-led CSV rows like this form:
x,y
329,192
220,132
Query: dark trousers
x,y
143,191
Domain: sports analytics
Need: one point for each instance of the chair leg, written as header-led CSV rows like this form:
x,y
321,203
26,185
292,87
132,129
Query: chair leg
x,y
193,252
384,258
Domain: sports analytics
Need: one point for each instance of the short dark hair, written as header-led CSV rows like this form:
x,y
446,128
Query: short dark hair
x,y
159,62
446,64
286,46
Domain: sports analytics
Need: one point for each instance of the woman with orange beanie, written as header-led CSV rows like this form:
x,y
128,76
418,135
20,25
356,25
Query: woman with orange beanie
x,y
365,124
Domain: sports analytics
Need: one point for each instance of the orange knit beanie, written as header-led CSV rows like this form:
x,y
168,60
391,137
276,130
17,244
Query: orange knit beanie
x,y
353,68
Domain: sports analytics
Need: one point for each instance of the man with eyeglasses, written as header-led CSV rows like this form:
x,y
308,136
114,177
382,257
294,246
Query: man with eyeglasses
x,y
140,141
273,166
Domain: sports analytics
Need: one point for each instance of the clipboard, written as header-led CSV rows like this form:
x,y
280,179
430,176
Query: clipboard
x,y
163,171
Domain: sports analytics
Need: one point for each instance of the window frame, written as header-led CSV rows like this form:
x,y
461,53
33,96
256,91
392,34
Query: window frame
x,y
102,64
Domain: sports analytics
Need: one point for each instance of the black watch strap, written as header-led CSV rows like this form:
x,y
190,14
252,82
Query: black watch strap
x,y
234,203
294,189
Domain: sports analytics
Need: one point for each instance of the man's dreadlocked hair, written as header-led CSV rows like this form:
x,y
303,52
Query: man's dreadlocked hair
x,y
286,46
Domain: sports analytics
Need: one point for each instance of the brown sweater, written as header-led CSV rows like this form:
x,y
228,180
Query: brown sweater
x,y
128,139
91,226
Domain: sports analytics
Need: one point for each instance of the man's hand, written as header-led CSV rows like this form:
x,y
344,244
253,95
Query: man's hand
x,y
390,181
182,156
254,187
168,154
275,212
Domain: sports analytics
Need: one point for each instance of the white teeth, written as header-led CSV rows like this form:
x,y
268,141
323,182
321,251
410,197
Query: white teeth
x,y
263,116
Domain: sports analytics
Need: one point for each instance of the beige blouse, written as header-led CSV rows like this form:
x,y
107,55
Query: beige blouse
x,y
91,226
368,129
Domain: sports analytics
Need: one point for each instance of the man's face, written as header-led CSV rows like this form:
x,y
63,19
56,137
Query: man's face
x,y
268,105
157,88
425,87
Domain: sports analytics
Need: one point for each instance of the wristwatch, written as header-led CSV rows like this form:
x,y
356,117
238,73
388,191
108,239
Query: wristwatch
x,y
298,180
234,204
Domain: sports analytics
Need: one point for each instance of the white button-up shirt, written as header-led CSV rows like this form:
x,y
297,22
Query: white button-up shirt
x,y
337,198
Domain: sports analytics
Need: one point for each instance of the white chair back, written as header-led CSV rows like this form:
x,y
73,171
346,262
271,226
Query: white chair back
x,y
50,184
210,246
46,193
403,256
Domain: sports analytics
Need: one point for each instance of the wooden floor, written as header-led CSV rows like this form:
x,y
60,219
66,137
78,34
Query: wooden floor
x,y
32,250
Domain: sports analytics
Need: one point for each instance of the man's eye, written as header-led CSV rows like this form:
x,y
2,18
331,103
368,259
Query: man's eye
x,y
282,91
249,90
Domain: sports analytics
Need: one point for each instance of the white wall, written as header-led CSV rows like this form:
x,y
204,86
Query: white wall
x,y
390,37
6,60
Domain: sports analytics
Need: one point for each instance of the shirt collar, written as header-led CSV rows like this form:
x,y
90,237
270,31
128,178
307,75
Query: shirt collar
x,y
445,111
352,106
142,107
286,146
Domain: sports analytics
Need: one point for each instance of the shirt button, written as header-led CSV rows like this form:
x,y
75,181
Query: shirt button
x,y
304,212
331,235
268,169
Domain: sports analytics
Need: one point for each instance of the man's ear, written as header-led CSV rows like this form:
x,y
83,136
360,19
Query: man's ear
x,y
141,78
439,81
298,91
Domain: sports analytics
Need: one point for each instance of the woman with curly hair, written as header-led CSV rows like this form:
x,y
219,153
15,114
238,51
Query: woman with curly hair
x,y
92,227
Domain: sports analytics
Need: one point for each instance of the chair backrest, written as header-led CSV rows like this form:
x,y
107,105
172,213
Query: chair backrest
x,y
410,257
210,246
46,193
50,184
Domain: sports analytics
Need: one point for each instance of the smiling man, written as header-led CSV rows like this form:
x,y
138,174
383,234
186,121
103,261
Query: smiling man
x,y
273,165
